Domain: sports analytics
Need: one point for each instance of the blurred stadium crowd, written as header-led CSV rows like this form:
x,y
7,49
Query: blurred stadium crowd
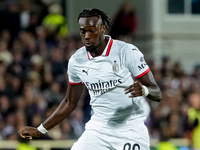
x,y
33,80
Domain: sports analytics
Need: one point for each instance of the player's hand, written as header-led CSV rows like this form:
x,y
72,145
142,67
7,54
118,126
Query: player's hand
x,y
135,89
29,132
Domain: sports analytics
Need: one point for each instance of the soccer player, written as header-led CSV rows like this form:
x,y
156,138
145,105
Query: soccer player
x,y
116,76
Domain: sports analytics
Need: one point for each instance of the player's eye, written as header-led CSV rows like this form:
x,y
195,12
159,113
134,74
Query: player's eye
x,y
82,31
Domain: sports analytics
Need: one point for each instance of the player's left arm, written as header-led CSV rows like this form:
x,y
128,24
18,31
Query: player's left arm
x,y
145,86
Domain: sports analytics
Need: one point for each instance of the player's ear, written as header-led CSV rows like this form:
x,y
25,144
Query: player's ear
x,y
103,29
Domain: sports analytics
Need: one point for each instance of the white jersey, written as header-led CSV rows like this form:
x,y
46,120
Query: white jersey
x,y
106,77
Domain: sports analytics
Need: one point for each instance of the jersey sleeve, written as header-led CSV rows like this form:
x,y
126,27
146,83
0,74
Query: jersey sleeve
x,y
135,62
72,75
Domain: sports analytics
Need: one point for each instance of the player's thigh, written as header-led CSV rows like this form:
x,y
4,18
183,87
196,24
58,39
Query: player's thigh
x,y
90,140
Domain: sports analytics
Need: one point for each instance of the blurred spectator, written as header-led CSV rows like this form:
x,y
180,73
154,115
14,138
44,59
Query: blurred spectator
x,y
29,19
41,8
55,23
37,64
195,77
71,46
36,119
41,40
24,14
15,69
2,73
165,67
76,120
124,22
3,89
194,118
9,131
10,17
58,68
177,70
5,105
20,119
19,104
5,54
55,133
13,87
34,79
46,80
67,130
169,129
28,97
28,47
33,23
176,131
41,105
52,94
1,127
5,36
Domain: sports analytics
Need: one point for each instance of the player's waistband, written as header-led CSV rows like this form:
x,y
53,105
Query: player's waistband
x,y
97,123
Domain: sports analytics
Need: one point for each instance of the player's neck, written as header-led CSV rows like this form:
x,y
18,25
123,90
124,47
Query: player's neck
x,y
99,50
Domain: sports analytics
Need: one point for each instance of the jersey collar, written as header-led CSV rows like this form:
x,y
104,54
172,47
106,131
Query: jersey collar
x,y
106,50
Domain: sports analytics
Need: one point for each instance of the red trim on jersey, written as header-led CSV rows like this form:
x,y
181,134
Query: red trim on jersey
x,y
109,46
107,51
74,83
88,55
142,73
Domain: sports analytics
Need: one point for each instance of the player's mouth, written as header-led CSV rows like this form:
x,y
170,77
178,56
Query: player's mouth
x,y
88,44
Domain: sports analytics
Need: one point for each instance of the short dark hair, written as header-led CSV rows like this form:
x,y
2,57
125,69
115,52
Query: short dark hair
x,y
100,14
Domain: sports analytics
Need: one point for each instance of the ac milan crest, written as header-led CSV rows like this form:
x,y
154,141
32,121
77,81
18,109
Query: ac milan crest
x,y
115,67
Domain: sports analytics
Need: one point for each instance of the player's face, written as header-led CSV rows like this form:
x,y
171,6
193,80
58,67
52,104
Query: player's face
x,y
91,32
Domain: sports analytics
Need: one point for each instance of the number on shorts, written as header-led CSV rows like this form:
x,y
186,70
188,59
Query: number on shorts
x,y
127,146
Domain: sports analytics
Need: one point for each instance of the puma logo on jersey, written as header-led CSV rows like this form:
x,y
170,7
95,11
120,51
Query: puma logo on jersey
x,y
86,72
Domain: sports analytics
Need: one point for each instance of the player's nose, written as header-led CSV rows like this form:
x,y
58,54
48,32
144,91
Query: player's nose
x,y
87,35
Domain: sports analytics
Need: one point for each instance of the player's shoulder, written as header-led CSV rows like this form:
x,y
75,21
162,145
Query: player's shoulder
x,y
125,47
79,55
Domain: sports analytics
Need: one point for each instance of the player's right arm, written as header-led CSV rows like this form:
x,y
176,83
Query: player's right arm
x,y
67,105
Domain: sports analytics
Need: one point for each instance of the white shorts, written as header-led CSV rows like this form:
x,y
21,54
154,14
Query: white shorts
x,y
132,139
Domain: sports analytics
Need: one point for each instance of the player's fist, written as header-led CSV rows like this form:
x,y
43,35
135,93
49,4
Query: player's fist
x,y
135,89
29,132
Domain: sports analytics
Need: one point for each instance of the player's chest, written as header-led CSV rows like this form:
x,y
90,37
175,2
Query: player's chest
x,y
101,69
